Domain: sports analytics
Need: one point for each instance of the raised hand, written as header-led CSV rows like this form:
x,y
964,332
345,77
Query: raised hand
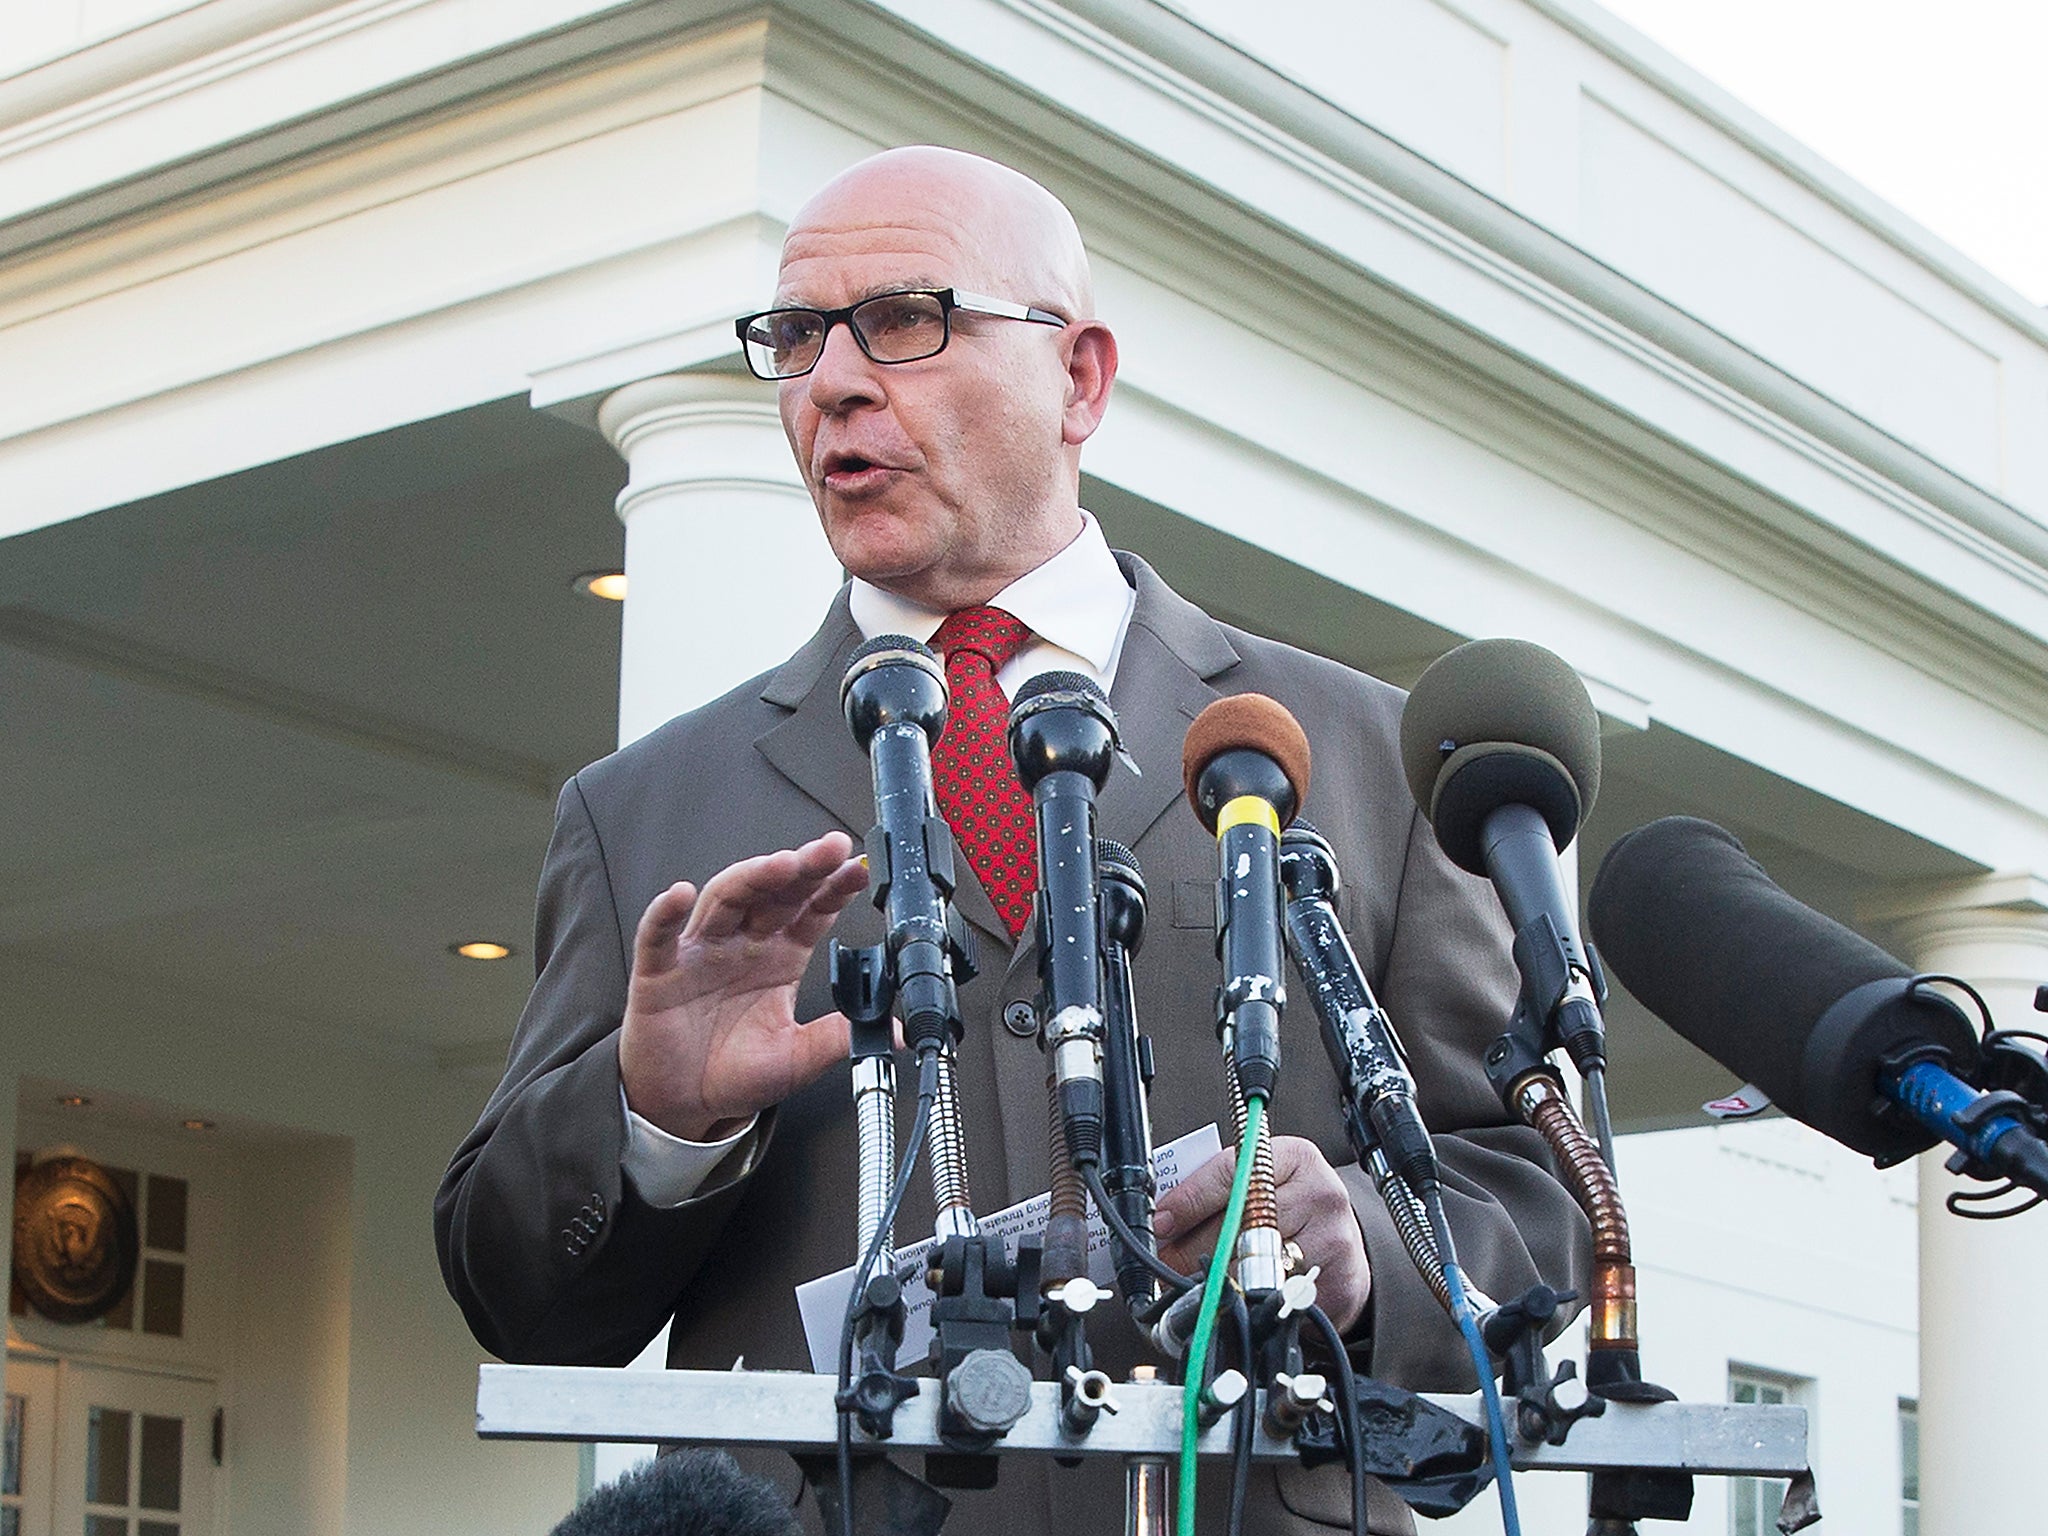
x,y
710,1034
1315,1215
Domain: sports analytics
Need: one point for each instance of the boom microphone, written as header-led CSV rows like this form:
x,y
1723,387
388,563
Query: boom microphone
x,y
1245,768
1842,1036
1502,750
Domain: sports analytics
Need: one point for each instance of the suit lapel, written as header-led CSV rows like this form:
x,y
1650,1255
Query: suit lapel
x,y
813,749
1170,653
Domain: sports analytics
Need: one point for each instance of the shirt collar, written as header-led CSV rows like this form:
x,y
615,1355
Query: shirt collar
x,y
1077,600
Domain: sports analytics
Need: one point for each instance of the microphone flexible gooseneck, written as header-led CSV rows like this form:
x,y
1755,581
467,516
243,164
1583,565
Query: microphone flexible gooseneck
x,y
1501,746
1843,1036
893,695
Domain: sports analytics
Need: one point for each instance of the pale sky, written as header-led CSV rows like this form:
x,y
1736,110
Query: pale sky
x,y
1940,107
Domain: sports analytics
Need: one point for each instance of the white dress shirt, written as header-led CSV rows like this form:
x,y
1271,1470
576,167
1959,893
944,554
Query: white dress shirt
x,y
1078,607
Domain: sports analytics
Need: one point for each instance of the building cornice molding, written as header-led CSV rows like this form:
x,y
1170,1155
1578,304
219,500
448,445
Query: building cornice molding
x,y
1099,93
1670,76
1244,93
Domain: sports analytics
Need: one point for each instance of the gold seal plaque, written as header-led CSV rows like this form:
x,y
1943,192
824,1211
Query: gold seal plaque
x,y
74,1239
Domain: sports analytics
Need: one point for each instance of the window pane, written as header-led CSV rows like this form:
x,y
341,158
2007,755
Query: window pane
x,y
106,1525
163,1297
157,1528
10,1444
1909,1452
107,1433
166,1220
163,1457
1742,1507
10,1521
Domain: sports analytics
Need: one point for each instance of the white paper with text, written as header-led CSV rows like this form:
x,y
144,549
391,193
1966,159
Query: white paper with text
x,y
822,1302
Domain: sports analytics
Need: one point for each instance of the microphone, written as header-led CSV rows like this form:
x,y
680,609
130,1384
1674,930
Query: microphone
x,y
1063,739
1501,746
1842,1036
1375,1089
686,1493
1245,768
1372,1068
1126,1066
894,699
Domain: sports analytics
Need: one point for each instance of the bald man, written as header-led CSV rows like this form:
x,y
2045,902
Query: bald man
x,y
673,1135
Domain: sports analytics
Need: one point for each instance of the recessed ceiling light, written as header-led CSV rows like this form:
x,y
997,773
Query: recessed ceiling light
x,y
481,949
199,1125
72,1101
609,585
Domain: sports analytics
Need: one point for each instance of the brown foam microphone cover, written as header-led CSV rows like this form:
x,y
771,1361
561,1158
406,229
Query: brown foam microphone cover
x,y
1248,720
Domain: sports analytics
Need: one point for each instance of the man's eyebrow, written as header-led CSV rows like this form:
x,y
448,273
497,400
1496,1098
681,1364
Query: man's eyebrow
x,y
872,290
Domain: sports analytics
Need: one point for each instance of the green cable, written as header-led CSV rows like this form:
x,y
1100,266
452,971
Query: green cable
x,y
1212,1302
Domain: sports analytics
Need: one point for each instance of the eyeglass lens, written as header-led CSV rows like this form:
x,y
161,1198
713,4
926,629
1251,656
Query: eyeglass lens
x,y
892,328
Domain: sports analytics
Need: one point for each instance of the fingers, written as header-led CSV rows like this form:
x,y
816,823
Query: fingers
x,y
1316,1216
1189,1218
818,1044
1196,1198
1305,1186
766,894
654,941
814,919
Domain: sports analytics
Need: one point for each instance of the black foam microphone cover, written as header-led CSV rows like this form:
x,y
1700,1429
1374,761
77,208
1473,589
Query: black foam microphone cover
x,y
1499,722
686,1493
890,678
1796,1003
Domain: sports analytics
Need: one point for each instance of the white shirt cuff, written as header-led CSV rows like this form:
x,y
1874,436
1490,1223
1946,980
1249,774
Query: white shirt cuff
x,y
667,1170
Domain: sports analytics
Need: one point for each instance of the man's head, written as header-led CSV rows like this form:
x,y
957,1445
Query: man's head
x,y
947,478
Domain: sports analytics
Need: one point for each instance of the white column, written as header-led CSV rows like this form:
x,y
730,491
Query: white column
x,y
727,571
1983,1352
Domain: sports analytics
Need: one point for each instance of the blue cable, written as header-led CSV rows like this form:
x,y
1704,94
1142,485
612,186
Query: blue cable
x,y
1489,1391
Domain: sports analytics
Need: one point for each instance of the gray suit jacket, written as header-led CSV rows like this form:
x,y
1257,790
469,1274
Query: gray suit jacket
x,y
554,1258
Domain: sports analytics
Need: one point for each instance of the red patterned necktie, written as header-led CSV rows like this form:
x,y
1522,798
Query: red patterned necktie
x,y
973,779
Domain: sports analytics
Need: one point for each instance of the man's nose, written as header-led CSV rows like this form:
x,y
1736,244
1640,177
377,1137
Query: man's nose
x,y
845,377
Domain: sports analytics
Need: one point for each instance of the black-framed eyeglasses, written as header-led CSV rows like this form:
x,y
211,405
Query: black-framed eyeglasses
x,y
890,327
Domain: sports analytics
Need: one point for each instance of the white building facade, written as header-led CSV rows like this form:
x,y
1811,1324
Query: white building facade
x,y
330,334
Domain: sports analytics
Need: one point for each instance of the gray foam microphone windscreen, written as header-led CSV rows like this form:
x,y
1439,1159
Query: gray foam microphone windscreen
x,y
1495,722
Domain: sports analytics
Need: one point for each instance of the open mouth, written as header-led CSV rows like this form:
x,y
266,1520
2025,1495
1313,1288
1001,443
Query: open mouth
x,y
852,472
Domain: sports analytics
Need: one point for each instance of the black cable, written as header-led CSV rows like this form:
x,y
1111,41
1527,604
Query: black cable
x,y
1347,1406
1120,1229
927,1095
1246,1423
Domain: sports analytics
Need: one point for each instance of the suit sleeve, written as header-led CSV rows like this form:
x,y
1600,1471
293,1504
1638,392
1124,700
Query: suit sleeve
x,y
1449,984
544,1244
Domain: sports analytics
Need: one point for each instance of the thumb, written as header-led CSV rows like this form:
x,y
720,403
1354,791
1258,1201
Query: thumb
x,y
820,1043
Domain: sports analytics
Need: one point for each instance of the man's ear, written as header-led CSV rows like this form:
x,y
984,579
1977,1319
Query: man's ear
x,y
1091,371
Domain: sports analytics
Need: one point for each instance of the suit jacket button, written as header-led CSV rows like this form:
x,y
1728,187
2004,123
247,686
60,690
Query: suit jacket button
x,y
1020,1019
597,1204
